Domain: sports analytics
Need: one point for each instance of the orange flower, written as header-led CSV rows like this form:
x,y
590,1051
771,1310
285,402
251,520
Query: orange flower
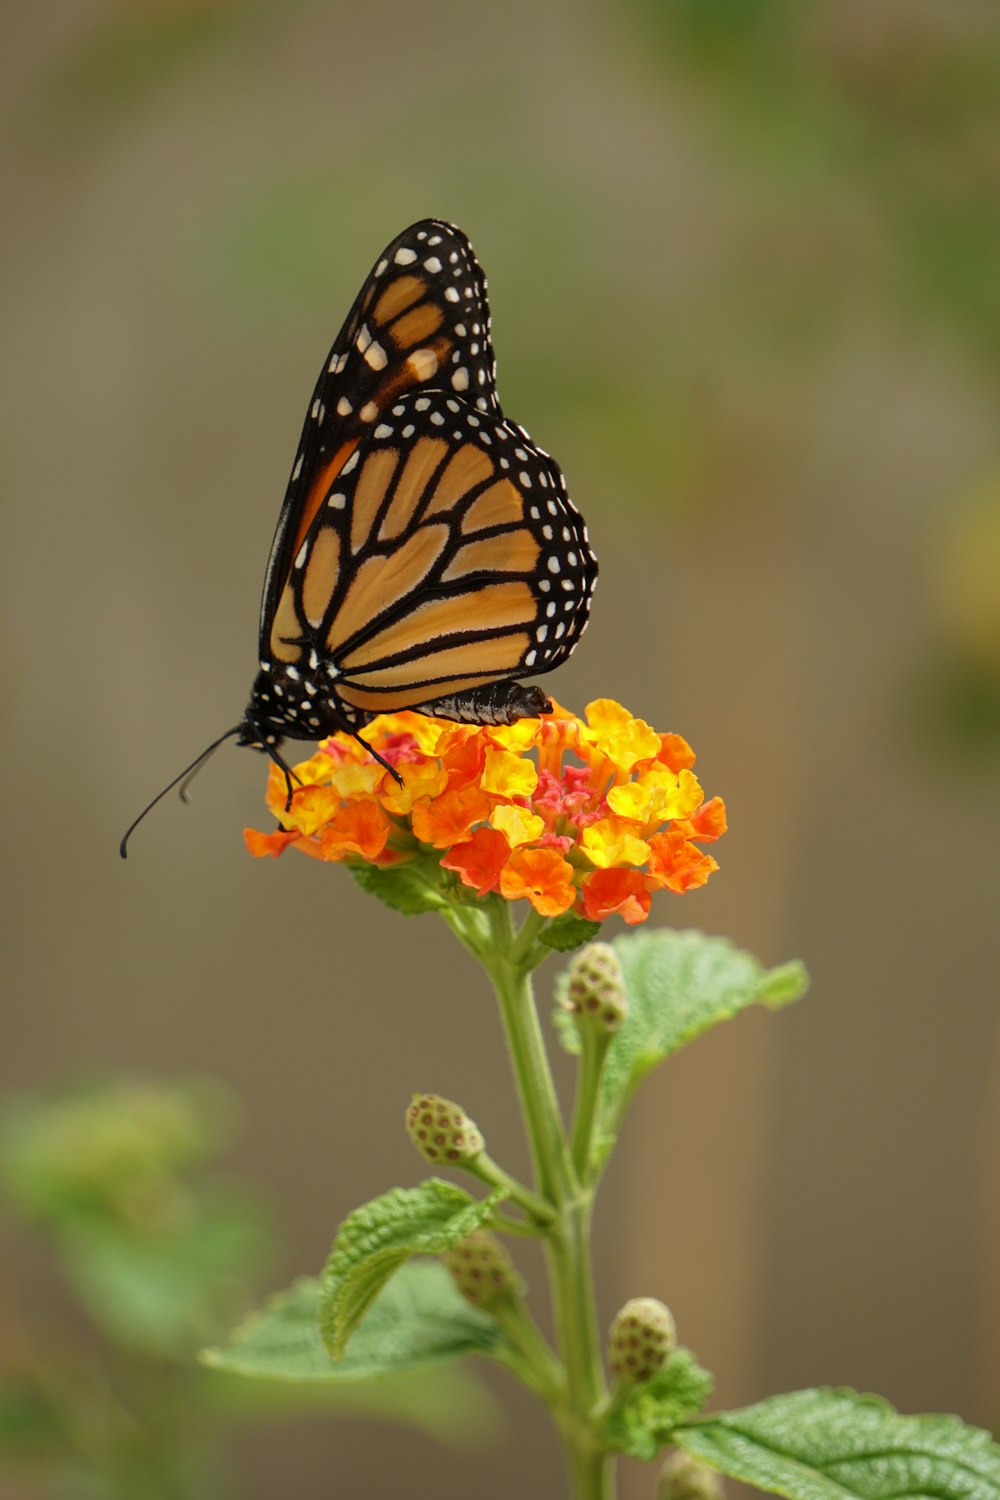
x,y
480,861
592,814
707,824
446,820
621,891
357,828
677,863
543,876
261,845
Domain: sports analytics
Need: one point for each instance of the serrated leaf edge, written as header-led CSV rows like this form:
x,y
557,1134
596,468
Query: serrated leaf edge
x,y
338,1317
977,1437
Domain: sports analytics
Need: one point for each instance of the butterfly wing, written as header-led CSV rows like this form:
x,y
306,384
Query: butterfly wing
x,y
446,555
421,318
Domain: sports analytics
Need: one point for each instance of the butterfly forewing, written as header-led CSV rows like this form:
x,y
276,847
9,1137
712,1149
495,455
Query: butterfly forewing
x,y
446,555
421,318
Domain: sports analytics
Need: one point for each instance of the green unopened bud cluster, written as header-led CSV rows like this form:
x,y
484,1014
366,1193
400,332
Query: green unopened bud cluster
x,y
482,1270
596,989
441,1130
686,1478
641,1339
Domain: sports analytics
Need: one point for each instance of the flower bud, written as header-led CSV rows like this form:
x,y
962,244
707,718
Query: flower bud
x,y
597,989
482,1270
686,1478
441,1131
640,1341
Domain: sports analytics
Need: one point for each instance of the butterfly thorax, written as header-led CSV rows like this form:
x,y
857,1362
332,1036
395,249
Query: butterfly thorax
x,y
294,702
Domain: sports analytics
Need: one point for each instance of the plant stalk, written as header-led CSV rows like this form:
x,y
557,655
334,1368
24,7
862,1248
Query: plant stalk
x,y
567,1237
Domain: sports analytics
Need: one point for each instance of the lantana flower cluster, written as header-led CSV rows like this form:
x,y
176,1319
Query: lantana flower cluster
x,y
592,815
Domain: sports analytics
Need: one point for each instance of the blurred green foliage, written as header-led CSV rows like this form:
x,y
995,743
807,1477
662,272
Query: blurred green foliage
x,y
127,54
895,110
955,696
157,1249
120,1180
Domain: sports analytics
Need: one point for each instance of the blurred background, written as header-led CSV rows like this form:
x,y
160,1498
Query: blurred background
x,y
743,260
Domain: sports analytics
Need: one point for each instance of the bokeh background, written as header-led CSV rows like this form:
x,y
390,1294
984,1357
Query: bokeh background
x,y
744,259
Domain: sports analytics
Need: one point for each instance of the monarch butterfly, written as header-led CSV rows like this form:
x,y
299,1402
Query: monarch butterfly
x,y
427,553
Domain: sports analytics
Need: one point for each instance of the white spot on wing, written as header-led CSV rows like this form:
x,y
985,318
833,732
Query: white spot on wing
x,y
423,363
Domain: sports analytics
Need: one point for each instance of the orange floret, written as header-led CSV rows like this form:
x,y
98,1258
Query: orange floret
x,y
543,877
621,891
480,861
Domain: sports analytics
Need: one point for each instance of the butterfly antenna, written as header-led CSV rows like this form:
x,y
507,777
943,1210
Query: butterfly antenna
x,y
200,763
183,778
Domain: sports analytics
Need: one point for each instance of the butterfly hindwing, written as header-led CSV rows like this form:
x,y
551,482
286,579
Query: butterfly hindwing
x,y
421,318
446,555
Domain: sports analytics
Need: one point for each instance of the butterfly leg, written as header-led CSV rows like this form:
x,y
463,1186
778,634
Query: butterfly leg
x,y
282,765
375,755
493,703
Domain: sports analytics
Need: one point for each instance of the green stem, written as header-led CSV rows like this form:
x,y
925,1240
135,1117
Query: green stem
x,y
550,1158
567,1237
593,1050
523,1228
488,1171
471,929
531,1360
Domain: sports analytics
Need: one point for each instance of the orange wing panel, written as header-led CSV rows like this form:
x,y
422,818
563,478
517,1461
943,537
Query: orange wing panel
x,y
499,605
513,552
381,581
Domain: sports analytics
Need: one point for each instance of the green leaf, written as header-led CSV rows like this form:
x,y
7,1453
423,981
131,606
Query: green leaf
x,y
405,888
838,1445
419,1319
646,1420
568,932
165,1294
376,1239
678,985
